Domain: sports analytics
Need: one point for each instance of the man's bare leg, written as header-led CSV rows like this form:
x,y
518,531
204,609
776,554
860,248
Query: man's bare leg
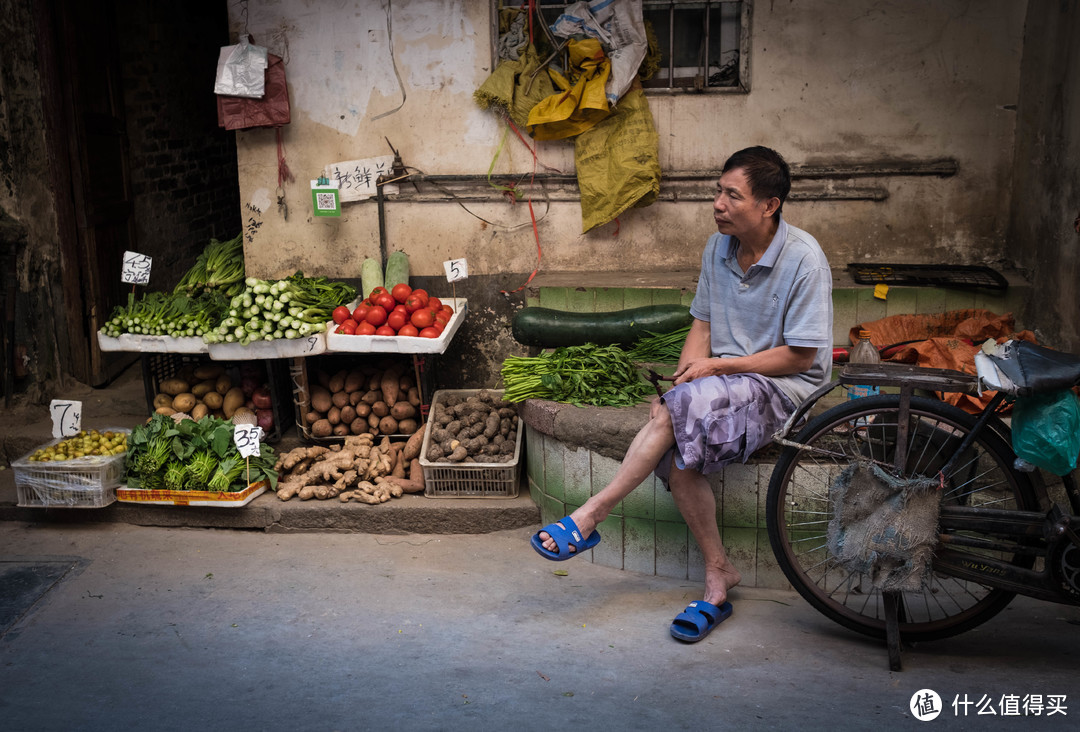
x,y
645,451
694,498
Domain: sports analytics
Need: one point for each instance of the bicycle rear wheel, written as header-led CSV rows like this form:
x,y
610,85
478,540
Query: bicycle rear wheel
x,y
799,509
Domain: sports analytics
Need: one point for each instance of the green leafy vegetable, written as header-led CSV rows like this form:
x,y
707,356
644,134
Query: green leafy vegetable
x,y
580,375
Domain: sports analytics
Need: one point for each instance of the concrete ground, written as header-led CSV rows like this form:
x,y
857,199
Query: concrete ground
x,y
107,625
162,628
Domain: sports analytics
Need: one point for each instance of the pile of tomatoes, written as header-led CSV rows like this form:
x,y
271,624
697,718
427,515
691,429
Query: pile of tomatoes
x,y
401,311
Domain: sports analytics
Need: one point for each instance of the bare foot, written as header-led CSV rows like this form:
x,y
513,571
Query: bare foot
x,y
718,580
585,526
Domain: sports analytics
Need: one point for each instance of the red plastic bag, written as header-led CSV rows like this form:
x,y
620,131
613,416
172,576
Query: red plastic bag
x,y
241,113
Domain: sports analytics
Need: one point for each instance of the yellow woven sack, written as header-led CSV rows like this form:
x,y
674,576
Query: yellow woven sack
x,y
582,101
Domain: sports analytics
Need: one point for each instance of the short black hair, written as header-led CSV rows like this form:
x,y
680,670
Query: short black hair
x,y
766,171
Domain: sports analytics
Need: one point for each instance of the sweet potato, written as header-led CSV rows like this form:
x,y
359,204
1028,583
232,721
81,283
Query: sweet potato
x,y
322,428
380,409
406,426
337,381
402,410
355,381
413,444
388,425
333,416
340,398
391,387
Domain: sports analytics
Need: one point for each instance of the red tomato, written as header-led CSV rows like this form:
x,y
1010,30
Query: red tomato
x,y
447,309
377,291
365,328
401,291
422,318
361,312
409,330
386,300
348,327
385,330
413,303
399,308
421,294
376,316
341,314
434,303
397,319
429,333
438,326
339,329
441,318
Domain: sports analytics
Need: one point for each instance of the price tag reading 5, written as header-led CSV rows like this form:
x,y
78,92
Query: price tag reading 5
x,y
456,269
136,270
66,417
246,438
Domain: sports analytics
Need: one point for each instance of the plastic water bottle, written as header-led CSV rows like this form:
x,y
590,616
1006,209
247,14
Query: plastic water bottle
x,y
863,352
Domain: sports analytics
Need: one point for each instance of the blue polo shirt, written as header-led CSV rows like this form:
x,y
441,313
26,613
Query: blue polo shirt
x,y
785,299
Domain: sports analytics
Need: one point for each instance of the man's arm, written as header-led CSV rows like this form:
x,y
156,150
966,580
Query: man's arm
x,y
780,361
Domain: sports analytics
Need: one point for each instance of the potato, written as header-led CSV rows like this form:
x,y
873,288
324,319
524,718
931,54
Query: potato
x,y
167,411
337,381
209,371
199,411
184,402
213,400
172,387
355,381
222,385
322,428
202,388
402,410
234,399
162,400
320,399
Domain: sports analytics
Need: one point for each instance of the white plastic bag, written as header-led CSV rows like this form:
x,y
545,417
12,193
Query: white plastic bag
x,y
241,70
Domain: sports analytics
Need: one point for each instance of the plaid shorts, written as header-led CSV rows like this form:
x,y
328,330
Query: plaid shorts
x,y
721,419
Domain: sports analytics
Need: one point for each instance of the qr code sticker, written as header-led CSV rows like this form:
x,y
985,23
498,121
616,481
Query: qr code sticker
x,y
325,201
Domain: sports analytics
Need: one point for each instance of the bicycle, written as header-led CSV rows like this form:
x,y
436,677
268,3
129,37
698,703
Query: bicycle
x,y
1000,533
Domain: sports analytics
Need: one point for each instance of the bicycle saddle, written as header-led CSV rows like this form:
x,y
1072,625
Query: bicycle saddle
x,y
1023,368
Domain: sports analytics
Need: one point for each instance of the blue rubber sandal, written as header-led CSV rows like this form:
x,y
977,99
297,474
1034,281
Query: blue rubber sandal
x,y
698,620
564,536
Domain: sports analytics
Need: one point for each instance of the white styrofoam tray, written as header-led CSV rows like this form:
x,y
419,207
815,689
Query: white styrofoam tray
x,y
311,345
151,344
339,342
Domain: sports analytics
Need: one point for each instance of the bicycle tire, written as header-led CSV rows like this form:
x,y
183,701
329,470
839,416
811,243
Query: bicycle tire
x,y
798,511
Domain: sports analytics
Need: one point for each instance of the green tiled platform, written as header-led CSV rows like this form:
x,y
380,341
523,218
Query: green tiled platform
x,y
646,532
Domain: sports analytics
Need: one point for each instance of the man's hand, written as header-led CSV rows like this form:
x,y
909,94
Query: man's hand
x,y
697,368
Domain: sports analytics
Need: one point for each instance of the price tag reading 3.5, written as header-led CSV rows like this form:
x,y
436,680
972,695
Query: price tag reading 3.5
x,y
456,269
66,417
136,270
246,438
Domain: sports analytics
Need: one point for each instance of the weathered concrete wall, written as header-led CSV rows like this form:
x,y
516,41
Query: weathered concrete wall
x,y
833,82
27,199
1046,197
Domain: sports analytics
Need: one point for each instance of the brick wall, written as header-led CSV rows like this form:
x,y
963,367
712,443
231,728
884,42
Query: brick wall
x,y
183,166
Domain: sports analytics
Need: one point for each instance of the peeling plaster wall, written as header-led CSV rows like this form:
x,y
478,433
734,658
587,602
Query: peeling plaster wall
x,y
1046,197
832,81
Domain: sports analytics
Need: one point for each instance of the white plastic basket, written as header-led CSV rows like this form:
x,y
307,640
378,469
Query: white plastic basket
x,y
86,482
469,480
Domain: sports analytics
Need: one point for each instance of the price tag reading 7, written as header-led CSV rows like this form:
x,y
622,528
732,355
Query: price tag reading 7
x,y
66,417
136,269
456,269
246,438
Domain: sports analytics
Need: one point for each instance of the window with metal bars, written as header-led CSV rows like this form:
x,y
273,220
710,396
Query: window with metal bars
x,y
704,46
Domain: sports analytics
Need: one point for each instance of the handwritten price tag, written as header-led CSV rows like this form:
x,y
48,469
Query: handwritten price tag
x,y
456,269
66,418
246,437
136,270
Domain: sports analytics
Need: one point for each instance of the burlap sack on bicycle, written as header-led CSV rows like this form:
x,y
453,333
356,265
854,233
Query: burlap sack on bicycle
x,y
884,527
